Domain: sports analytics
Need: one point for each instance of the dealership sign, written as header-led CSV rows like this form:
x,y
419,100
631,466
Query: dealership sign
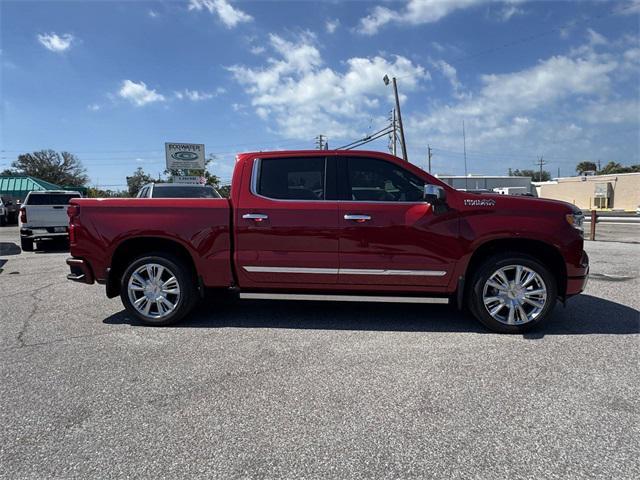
x,y
189,179
186,156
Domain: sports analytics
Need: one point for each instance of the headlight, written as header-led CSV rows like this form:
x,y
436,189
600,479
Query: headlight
x,y
576,220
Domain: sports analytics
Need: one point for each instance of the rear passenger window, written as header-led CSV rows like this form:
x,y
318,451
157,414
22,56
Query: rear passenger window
x,y
292,178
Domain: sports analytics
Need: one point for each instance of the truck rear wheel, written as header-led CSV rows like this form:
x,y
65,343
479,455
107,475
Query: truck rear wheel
x,y
158,289
26,244
512,293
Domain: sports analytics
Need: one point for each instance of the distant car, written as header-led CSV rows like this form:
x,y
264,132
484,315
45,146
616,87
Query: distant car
x,y
43,215
11,206
177,190
4,213
638,210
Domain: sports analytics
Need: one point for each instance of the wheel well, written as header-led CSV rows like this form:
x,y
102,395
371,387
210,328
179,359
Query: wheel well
x,y
135,247
543,252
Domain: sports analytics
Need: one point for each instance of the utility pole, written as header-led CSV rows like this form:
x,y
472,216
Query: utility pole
x,y
429,156
403,144
320,142
393,136
541,162
464,146
558,172
599,168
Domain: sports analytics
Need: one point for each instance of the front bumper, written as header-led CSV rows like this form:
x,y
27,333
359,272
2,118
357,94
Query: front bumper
x,y
577,284
80,271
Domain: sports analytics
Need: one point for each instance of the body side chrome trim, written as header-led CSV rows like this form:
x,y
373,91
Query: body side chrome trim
x,y
257,269
346,271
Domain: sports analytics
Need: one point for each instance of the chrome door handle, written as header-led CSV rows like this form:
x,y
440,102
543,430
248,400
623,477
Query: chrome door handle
x,y
258,217
357,218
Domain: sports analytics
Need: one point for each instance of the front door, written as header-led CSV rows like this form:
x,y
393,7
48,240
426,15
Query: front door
x,y
389,235
287,225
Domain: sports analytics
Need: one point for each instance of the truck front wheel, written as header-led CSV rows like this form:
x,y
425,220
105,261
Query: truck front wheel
x,y
512,293
158,289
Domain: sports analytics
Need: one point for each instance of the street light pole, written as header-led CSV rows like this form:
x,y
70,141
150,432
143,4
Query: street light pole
x,y
395,93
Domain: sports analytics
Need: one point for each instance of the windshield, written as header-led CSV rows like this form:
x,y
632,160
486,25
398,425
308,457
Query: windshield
x,y
186,191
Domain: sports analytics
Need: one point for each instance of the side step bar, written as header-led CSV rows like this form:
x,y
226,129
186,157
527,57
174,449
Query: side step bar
x,y
342,298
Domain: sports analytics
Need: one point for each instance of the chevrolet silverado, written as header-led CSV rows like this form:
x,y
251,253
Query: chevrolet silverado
x,y
346,225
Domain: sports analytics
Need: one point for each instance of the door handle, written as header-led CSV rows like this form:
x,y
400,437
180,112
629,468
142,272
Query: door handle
x,y
357,218
58,207
258,217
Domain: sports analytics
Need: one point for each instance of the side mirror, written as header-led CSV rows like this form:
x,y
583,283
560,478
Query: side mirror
x,y
434,194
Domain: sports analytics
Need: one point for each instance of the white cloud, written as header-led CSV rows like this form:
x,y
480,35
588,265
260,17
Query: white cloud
x,y
554,106
509,11
595,38
628,8
227,14
331,25
415,12
257,49
138,93
450,73
56,43
303,96
198,96
153,13
94,107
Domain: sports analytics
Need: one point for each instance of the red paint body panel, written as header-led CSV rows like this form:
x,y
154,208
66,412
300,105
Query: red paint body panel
x,y
200,225
310,234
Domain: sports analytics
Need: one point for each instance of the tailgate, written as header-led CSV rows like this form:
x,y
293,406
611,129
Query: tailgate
x,y
46,215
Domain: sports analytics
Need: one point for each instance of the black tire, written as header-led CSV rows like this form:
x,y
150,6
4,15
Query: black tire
x,y
26,244
486,270
4,220
186,282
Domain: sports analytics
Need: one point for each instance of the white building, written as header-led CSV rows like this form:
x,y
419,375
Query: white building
x,y
500,183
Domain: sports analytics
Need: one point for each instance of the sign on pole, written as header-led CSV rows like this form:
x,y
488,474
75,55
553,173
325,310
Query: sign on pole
x,y
189,179
184,156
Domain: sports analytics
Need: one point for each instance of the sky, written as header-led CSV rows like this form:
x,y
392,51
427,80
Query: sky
x,y
112,81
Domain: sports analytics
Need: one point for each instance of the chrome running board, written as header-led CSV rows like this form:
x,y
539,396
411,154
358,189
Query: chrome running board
x,y
342,298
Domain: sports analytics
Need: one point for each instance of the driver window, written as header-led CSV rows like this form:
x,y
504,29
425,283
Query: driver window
x,y
373,180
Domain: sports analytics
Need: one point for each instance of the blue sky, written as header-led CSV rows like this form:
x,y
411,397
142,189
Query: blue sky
x,y
112,81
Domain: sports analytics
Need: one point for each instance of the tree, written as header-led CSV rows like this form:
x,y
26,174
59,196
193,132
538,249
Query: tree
x,y
62,168
136,181
535,175
224,191
7,173
211,179
586,167
614,167
99,193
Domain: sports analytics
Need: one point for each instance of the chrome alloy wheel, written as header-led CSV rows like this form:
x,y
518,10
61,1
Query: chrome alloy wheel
x,y
514,295
153,290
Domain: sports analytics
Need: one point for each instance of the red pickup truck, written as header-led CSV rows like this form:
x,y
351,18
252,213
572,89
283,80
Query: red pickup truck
x,y
346,225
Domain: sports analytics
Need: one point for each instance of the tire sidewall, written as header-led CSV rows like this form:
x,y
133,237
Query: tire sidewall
x,y
488,268
186,300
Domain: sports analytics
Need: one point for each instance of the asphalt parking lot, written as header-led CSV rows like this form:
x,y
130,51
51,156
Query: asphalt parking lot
x,y
307,390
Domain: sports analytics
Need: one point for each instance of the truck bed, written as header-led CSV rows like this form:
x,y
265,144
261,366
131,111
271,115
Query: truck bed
x,y
200,225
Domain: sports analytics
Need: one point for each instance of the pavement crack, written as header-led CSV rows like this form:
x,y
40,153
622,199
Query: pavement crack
x,y
34,309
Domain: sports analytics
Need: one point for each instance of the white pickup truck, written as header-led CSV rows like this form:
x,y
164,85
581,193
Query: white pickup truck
x,y
43,215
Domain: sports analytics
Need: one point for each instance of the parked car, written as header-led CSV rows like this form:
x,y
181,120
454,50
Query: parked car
x,y
347,225
4,213
177,190
43,216
12,207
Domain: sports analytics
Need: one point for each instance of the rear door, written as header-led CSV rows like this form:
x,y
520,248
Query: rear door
x,y
48,209
287,223
389,234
